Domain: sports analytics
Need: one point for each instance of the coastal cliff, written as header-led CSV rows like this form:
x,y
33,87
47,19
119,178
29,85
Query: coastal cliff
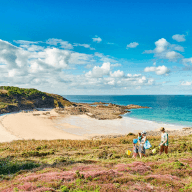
x,y
13,99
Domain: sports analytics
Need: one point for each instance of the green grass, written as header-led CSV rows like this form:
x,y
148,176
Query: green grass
x,y
20,159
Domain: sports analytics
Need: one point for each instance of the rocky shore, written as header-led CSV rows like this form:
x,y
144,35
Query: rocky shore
x,y
98,110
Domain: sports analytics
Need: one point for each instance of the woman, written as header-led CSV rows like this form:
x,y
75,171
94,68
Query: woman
x,y
141,144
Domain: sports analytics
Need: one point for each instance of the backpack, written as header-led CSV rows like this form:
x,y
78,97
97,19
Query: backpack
x,y
147,144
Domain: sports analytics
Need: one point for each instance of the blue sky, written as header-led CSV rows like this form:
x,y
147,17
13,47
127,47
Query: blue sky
x,y
97,47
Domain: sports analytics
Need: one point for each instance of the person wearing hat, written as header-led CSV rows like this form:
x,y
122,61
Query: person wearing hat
x,y
164,141
141,144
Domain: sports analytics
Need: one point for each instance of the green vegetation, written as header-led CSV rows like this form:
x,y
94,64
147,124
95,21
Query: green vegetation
x,y
94,166
15,99
21,91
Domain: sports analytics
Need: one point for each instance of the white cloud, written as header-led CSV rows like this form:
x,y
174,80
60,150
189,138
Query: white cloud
x,y
186,83
116,65
23,42
29,62
84,45
112,82
99,71
161,45
132,45
179,48
187,60
63,44
173,55
45,66
179,38
160,70
117,74
165,50
103,77
97,39
105,58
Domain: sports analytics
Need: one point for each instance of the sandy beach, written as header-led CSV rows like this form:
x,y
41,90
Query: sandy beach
x,y
49,125
32,125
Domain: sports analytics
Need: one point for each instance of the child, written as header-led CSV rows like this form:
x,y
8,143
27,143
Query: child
x,y
141,144
135,148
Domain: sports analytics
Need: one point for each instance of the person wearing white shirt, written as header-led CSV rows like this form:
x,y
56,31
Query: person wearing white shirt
x,y
164,141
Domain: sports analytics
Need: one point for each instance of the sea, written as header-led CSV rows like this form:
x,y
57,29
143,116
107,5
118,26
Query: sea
x,y
169,109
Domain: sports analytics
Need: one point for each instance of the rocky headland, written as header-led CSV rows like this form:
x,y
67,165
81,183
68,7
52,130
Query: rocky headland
x,y
98,110
14,99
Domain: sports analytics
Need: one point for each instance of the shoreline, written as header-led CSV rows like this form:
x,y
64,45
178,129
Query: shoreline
x,y
49,125
87,126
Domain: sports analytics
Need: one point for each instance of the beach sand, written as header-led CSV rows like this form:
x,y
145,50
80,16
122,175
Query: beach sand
x,y
87,126
49,125
33,125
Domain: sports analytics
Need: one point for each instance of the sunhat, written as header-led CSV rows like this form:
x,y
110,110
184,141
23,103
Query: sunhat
x,y
162,129
143,132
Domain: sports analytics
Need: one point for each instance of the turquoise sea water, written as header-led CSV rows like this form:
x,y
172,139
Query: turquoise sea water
x,y
171,109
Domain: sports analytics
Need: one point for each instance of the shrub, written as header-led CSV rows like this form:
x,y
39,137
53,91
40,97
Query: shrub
x,y
10,167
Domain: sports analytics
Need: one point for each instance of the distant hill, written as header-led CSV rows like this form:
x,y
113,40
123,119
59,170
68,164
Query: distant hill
x,y
15,99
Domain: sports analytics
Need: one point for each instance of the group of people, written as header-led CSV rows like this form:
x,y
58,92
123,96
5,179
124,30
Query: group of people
x,y
142,139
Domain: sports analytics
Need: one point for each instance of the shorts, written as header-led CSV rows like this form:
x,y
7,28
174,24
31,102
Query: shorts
x,y
141,149
164,148
135,149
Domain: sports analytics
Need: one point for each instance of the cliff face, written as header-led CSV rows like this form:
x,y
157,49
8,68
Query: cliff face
x,y
15,99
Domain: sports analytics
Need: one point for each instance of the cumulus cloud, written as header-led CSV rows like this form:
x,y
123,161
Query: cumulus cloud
x,y
99,71
29,61
179,38
165,50
160,70
45,66
103,76
117,74
161,45
173,55
132,45
186,83
97,39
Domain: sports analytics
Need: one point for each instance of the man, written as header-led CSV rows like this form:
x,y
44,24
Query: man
x,y
164,141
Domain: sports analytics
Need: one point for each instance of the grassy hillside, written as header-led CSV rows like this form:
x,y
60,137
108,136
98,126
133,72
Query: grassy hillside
x,y
15,99
94,165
